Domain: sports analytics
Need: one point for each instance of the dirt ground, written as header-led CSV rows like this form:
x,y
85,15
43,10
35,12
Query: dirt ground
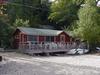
x,y
21,64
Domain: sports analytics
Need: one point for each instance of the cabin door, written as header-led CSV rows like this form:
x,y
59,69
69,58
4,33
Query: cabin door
x,y
62,38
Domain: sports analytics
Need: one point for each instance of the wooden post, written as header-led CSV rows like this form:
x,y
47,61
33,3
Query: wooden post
x,y
44,38
29,45
55,39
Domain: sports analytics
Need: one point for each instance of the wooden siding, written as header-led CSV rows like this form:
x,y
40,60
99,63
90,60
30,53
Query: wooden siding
x,y
67,37
20,37
41,39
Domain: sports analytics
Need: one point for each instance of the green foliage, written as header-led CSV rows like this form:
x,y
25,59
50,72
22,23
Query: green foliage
x,y
64,12
21,22
4,34
21,13
31,10
88,25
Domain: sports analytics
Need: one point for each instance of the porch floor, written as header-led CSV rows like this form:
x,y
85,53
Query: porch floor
x,y
45,51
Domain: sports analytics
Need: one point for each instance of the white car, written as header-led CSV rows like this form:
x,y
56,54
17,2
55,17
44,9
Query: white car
x,y
98,49
78,51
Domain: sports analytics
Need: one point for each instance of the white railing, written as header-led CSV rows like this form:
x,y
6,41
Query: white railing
x,y
47,46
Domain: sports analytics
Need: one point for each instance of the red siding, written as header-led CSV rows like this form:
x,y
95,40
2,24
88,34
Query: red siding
x,y
16,39
23,38
19,38
67,37
57,39
41,38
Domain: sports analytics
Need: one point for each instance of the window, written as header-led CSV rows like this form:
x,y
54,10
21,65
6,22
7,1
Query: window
x,y
32,38
17,37
62,38
50,38
25,38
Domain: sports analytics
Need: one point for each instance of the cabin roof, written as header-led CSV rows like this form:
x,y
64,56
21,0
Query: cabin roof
x,y
42,32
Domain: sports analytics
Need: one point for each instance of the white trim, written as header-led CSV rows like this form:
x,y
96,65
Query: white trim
x,y
55,39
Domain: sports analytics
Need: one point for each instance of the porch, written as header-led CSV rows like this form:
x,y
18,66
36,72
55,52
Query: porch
x,y
31,47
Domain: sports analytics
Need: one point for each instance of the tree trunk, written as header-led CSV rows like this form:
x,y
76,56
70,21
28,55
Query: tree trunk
x,y
0,58
92,47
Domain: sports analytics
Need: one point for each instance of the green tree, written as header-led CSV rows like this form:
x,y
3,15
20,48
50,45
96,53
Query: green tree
x,y
4,27
64,12
88,25
31,10
21,22
4,34
21,13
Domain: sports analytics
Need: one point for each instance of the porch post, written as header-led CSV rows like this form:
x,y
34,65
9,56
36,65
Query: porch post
x,y
44,38
29,44
37,39
55,39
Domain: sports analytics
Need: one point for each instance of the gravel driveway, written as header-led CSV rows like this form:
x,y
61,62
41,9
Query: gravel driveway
x,y
27,65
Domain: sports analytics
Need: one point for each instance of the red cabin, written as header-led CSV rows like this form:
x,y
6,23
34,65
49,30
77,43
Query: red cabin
x,y
24,35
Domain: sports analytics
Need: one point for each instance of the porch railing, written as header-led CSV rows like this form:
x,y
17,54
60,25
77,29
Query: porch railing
x,y
47,46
